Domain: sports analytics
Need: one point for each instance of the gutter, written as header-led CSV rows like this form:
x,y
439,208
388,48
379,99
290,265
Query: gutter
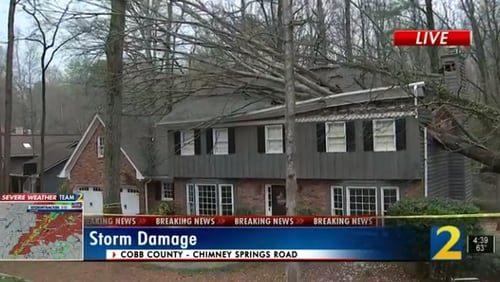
x,y
146,206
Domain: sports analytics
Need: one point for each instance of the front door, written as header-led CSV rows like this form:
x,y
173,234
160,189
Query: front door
x,y
278,200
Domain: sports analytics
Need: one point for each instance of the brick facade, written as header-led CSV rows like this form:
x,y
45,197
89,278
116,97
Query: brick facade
x,y
89,168
313,195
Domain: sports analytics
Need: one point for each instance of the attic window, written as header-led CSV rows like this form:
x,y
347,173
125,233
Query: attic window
x,y
449,66
27,145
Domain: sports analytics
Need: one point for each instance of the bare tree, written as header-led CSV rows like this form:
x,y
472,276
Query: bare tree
x,y
112,152
50,47
293,268
8,96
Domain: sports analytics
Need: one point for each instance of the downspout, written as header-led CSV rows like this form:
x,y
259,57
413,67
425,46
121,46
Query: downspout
x,y
146,206
426,190
425,164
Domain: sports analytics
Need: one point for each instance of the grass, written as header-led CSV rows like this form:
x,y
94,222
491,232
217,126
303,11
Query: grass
x,y
8,278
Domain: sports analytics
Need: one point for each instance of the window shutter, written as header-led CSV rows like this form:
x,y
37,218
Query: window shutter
x,y
177,142
197,142
350,135
401,134
261,142
210,140
158,192
368,135
320,137
283,136
230,140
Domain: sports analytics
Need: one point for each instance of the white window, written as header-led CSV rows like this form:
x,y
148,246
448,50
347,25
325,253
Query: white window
x,y
390,195
335,137
221,141
274,139
27,145
361,201
187,143
100,146
167,191
384,135
337,193
210,199
226,200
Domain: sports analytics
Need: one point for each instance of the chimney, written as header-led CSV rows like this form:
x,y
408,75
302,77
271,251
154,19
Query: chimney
x,y
453,70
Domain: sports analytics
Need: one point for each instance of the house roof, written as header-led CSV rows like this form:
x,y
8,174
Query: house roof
x,y
131,141
29,145
58,148
206,107
55,154
412,90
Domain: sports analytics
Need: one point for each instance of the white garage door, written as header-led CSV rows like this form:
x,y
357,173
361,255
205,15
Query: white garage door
x,y
130,200
92,199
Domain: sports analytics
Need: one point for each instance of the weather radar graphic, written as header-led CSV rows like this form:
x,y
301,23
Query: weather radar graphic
x,y
41,227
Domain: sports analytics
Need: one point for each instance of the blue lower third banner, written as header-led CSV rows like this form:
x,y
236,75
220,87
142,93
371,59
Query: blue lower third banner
x,y
255,243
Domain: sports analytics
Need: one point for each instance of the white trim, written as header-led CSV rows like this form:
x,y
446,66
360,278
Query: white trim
x,y
426,165
163,198
220,197
216,139
348,196
268,194
382,189
266,138
184,143
374,122
100,147
89,132
327,129
332,202
188,208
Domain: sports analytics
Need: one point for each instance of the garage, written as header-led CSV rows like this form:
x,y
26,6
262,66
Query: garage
x,y
129,198
92,199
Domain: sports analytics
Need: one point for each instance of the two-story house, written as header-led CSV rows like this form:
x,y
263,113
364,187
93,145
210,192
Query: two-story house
x,y
357,153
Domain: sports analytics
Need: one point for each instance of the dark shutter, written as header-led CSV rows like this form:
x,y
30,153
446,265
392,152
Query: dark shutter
x,y
320,137
283,134
368,135
261,139
401,134
230,140
197,142
177,142
350,136
210,140
158,192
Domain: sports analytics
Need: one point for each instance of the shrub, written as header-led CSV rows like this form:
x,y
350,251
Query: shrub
x,y
306,212
165,208
471,265
244,211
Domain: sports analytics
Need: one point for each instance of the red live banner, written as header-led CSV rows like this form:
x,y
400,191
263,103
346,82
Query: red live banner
x,y
432,38
241,221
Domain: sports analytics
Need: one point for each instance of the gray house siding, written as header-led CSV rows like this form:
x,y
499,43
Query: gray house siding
x,y
51,182
437,169
246,162
449,173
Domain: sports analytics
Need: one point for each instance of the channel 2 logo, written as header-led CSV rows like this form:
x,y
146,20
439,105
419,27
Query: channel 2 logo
x,y
447,243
